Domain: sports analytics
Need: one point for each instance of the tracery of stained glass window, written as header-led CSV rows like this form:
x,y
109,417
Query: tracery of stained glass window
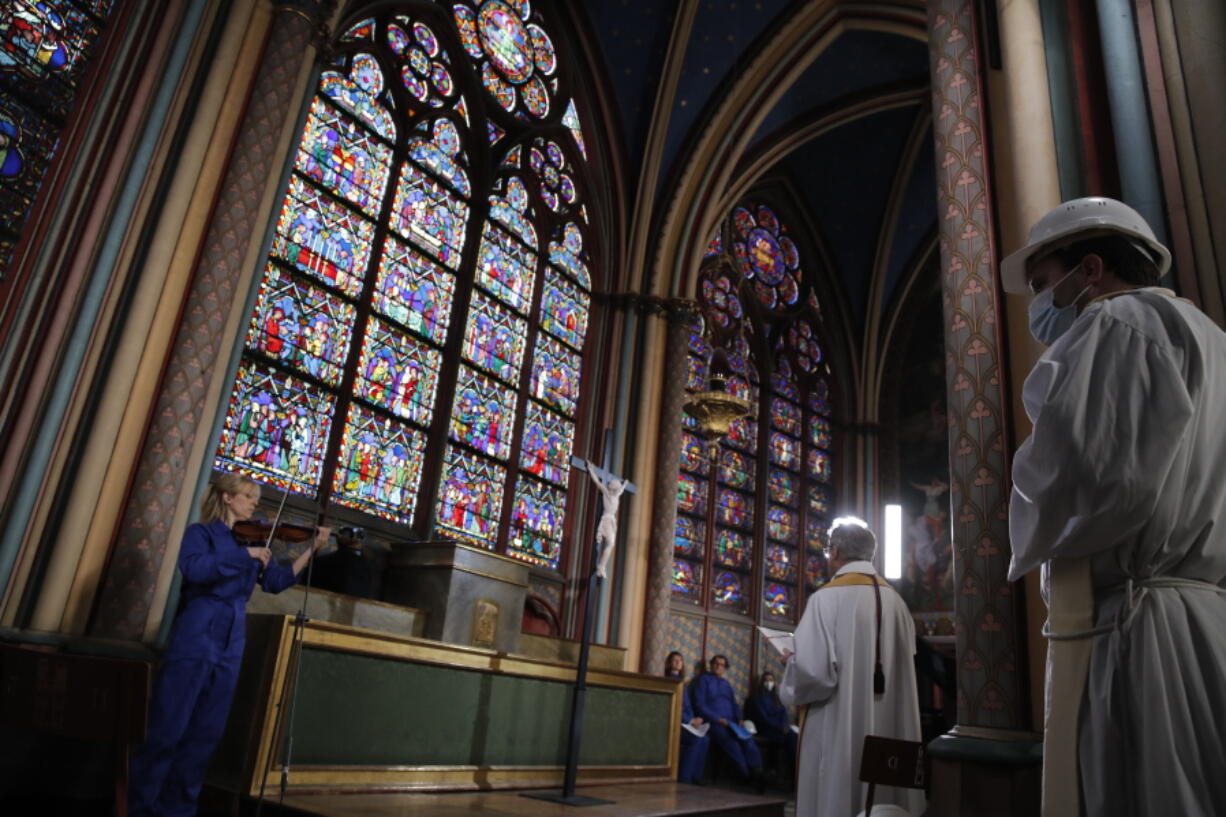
x,y
513,54
768,259
756,299
45,47
373,255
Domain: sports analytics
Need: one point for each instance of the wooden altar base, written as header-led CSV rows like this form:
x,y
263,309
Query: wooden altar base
x,y
629,800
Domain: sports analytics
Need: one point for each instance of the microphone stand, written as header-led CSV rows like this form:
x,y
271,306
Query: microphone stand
x,y
289,691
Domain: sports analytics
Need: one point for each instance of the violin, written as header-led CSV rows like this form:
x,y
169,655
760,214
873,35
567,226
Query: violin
x,y
258,531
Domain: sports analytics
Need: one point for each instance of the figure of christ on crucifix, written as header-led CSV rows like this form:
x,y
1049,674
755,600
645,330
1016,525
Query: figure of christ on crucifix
x,y
611,488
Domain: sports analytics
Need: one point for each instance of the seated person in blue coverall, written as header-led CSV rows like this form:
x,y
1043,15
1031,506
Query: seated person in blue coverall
x,y
715,702
195,685
693,747
770,717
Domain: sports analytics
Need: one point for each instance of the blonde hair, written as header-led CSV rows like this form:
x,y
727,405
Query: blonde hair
x,y
213,506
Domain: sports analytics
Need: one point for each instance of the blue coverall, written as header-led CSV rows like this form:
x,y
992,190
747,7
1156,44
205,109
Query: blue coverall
x,y
770,716
199,671
693,748
714,699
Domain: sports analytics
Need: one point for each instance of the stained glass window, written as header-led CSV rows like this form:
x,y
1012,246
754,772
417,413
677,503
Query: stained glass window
x,y
564,310
547,444
415,356
414,291
483,414
782,486
781,524
687,579
536,523
785,451
690,535
769,260
397,373
45,46
494,340
470,497
781,563
276,428
694,456
379,466
691,495
554,370
756,296
736,469
730,591
778,600
731,549
322,238
733,508
301,325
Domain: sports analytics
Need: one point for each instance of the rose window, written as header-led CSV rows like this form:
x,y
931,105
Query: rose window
x,y
516,58
808,351
720,296
768,259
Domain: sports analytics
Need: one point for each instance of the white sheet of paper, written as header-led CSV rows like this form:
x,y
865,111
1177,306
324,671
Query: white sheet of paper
x,y
779,639
698,731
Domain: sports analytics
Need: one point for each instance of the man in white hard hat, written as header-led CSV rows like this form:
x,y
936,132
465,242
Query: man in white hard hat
x,y
1121,483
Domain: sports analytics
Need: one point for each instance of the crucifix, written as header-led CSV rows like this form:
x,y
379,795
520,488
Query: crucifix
x,y
611,487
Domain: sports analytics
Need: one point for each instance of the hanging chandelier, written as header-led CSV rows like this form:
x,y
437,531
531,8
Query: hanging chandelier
x,y
715,410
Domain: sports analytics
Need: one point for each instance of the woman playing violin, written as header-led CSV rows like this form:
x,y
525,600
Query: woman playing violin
x,y
199,671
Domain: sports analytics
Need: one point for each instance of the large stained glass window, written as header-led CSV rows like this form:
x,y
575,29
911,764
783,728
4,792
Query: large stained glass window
x,y
45,47
417,341
752,518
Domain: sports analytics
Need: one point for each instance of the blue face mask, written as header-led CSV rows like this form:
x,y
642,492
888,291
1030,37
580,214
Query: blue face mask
x,y
1048,321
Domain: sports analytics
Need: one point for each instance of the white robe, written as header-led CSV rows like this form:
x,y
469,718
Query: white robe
x,y
1125,467
832,672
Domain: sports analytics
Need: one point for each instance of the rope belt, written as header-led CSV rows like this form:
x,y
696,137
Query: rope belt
x,y
1135,591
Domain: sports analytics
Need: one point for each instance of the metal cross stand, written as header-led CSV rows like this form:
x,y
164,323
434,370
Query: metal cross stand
x,y
567,794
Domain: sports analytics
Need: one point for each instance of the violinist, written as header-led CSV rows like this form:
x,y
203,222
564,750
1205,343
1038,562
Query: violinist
x,y
199,671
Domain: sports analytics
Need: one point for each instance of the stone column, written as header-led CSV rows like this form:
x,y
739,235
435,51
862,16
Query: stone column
x,y
681,317
180,414
985,765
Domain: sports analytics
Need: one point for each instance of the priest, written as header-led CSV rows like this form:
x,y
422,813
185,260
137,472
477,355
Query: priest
x,y
853,673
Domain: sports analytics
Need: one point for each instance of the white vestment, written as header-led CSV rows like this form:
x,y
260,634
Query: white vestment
x,y
1125,466
832,672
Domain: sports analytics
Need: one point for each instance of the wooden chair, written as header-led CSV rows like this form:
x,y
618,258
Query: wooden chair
x,y
891,762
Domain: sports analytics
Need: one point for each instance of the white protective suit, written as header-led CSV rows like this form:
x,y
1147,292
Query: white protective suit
x,y
1125,467
832,672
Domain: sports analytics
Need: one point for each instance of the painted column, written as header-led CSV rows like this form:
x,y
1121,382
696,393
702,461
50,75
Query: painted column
x,y
165,470
680,316
990,686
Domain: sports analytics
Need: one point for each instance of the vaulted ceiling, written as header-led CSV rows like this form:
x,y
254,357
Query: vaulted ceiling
x,y
843,122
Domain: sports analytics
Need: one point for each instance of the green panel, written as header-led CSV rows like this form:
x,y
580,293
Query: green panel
x,y
364,710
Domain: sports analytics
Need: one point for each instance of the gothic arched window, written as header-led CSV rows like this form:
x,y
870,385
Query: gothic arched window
x,y
751,524
44,45
416,346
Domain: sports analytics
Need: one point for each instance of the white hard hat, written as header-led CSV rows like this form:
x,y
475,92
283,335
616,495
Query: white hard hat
x,y
1063,224
887,810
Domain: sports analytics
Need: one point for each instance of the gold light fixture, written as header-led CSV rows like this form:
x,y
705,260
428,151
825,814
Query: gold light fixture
x,y
716,410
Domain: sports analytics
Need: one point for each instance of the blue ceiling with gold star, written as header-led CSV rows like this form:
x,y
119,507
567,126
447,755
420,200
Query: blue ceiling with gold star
x,y
846,177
